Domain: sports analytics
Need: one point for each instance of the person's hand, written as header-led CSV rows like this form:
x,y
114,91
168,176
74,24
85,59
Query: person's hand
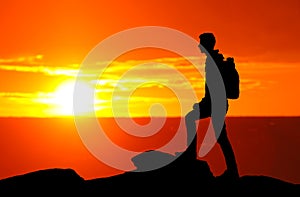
x,y
196,106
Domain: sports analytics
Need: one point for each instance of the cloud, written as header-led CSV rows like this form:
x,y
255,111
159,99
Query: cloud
x,y
34,64
41,69
26,98
155,80
248,84
263,75
20,95
22,104
28,60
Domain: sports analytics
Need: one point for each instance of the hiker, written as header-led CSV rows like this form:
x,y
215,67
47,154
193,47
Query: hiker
x,y
203,108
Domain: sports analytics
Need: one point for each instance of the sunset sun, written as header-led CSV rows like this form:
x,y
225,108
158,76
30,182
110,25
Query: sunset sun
x,y
63,97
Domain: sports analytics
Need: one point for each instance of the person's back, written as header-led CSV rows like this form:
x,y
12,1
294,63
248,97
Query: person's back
x,y
214,58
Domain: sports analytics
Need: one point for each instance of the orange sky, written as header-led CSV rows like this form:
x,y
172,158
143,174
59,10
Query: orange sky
x,y
43,44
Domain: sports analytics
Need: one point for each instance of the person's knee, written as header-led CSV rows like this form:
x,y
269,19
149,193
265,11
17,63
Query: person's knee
x,y
190,117
222,137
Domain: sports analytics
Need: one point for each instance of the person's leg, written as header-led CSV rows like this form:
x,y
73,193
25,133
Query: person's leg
x,y
203,111
191,127
228,153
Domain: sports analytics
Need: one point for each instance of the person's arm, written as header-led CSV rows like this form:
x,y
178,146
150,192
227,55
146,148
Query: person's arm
x,y
196,106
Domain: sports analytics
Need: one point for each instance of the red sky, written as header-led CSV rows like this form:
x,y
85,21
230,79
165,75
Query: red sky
x,y
66,31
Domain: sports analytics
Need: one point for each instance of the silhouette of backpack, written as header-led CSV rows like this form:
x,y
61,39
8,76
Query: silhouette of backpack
x,y
231,78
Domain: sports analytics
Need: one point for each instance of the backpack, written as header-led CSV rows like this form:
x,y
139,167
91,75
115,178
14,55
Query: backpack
x,y
231,78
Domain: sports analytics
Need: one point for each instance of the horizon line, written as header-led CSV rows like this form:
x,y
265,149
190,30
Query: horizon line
x,y
228,116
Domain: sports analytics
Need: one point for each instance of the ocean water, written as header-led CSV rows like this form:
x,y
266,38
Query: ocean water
x,y
266,146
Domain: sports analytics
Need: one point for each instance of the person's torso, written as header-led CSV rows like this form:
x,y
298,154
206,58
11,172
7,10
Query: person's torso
x,y
213,60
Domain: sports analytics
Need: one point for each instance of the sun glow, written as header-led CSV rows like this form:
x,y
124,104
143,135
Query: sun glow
x,y
63,98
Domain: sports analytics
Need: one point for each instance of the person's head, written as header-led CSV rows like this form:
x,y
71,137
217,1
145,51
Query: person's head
x,y
207,41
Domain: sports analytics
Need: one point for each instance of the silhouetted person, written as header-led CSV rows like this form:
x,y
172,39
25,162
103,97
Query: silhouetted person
x,y
203,109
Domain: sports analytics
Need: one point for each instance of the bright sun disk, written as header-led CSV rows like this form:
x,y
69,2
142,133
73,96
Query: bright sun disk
x,y
63,97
